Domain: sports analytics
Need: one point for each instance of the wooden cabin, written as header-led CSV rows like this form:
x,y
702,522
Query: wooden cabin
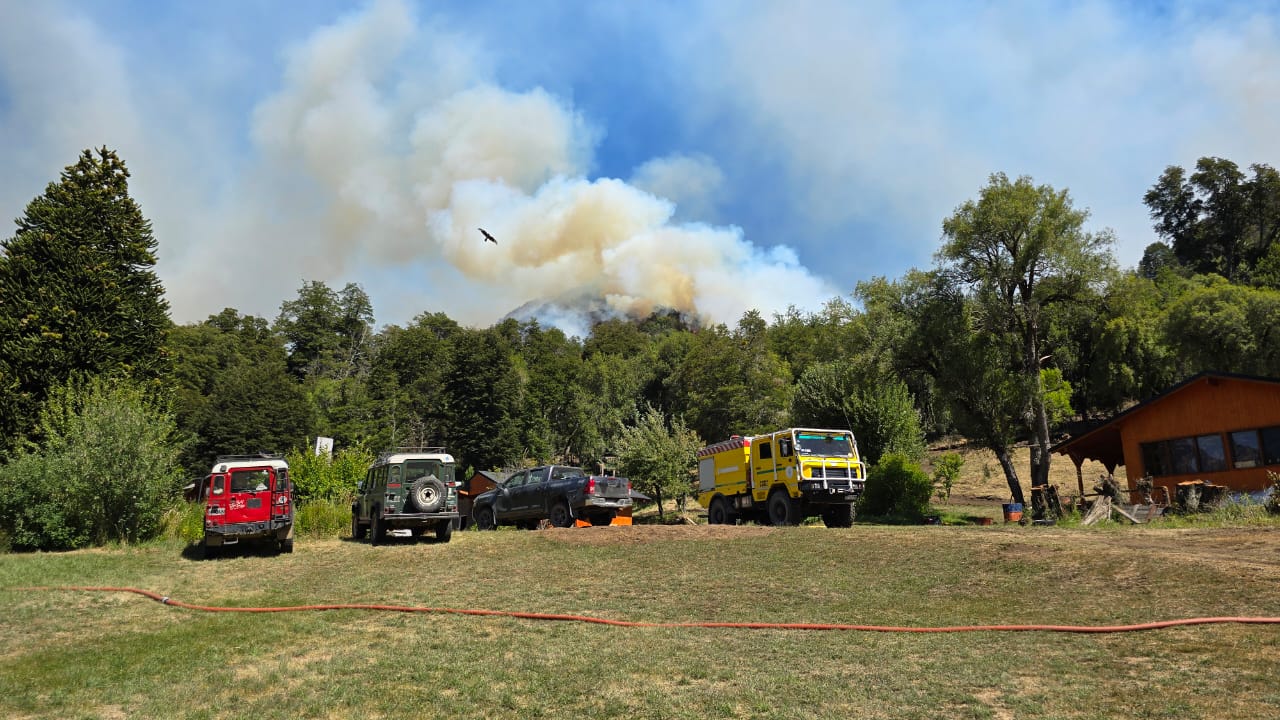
x,y
481,481
1215,427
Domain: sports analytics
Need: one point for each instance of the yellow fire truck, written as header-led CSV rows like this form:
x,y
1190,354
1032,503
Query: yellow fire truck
x,y
781,478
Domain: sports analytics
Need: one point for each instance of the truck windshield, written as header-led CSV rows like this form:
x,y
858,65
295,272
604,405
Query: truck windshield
x,y
824,444
415,470
249,480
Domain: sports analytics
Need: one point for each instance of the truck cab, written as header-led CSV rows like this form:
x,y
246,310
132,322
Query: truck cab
x,y
248,498
782,477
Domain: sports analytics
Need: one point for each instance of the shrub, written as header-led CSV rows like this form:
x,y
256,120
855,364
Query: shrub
x,y
107,471
322,518
946,470
896,487
185,522
317,477
1273,498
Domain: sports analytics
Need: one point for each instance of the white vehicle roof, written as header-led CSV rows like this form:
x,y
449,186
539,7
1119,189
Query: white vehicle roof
x,y
402,456
237,462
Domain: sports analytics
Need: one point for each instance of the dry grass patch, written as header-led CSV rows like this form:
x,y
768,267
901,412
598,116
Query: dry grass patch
x,y
981,477
149,660
642,534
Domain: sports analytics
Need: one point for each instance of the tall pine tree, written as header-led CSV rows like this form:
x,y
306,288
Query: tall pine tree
x,y
78,295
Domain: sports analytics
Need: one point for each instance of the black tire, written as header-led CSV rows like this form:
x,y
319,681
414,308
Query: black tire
x,y
560,515
444,531
602,518
427,494
286,546
783,510
838,516
717,514
485,518
210,552
358,531
377,532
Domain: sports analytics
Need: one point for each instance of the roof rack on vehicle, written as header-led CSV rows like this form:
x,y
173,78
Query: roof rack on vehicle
x,y
256,456
384,455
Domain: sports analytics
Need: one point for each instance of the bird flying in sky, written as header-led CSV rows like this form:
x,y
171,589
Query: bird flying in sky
x,y
487,236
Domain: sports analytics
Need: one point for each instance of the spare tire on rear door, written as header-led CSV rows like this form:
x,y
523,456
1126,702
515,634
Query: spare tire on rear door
x,y
427,494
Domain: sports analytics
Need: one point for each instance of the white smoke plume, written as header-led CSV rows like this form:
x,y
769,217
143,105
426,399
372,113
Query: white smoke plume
x,y
364,167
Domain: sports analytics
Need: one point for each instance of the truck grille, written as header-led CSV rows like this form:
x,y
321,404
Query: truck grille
x,y
831,472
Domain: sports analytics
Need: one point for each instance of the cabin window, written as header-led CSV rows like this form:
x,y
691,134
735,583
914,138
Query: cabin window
x,y
1212,456
1185,456
1183,451
1270,445
1208,453
766,451
1155,459
1246,451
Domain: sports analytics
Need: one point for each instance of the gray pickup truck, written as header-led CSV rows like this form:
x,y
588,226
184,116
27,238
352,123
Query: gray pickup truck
x,y
559,493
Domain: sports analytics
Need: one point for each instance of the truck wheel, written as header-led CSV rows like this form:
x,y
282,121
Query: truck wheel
x,y
838,516
485,518
560,515
444,531
210,552
783,510
286,546
428,494
716,514
377,533
602,519
358,531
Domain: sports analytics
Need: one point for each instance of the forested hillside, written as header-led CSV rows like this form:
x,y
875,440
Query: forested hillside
x,y
1023,324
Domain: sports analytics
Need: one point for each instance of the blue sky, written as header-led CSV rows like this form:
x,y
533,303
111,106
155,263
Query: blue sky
x,y
711,157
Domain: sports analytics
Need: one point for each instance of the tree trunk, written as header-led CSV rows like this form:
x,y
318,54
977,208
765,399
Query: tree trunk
x,y
1010,473
1038,417
1039,438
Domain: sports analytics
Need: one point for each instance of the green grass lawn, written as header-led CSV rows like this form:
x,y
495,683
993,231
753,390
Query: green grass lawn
x,y
75,654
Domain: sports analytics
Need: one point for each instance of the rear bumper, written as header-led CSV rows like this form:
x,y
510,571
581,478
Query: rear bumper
x,y
395,521
235,532
600,502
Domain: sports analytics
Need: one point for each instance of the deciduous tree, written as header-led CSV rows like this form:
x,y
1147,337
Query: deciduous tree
x,y
1017,249
659,454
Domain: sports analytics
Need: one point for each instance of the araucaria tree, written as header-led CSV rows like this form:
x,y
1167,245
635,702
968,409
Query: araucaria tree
x,y
1017,250
77,291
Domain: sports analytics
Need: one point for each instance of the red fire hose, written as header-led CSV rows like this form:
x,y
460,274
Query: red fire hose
x,y
1160,624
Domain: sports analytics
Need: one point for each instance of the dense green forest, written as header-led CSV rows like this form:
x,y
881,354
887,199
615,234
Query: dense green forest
x,y
1023,324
